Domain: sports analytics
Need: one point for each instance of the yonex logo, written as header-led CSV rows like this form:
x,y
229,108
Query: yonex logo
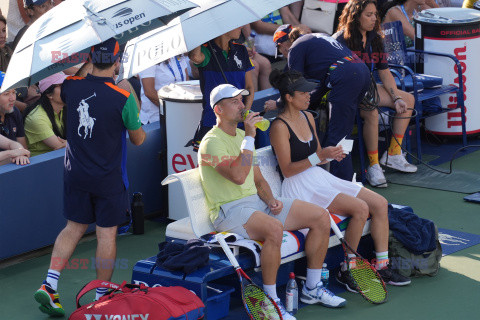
x,y
116,316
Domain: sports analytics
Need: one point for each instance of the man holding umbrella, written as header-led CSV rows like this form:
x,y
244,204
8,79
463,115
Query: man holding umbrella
x,y
221,61
95,177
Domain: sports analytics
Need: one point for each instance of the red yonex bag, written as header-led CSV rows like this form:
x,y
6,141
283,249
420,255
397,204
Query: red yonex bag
x,y
138,302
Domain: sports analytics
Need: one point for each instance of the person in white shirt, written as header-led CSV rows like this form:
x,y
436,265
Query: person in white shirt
x,y
156,77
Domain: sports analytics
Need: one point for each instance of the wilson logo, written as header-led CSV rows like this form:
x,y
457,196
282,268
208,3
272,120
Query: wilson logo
x,y
116,317
455,117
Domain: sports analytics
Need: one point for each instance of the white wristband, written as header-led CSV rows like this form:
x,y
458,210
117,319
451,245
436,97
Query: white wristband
x,y
248,143
314,159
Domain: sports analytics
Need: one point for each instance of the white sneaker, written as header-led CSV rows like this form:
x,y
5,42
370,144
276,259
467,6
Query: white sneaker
x,y
397,162
285,314
375,176
321,295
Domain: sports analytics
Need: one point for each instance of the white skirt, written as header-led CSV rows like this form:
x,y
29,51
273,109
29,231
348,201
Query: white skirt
x,y
318,186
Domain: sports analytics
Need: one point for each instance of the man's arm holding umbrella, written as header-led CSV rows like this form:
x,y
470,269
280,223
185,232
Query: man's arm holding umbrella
x,y
196,55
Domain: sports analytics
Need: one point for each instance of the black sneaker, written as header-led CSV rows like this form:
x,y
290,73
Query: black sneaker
x,y
392,277
343,277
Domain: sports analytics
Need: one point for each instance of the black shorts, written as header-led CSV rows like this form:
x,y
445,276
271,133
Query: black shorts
x,y
86,207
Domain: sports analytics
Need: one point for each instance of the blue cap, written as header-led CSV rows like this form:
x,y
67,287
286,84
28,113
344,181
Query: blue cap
x,y
2,76
106,52
28,3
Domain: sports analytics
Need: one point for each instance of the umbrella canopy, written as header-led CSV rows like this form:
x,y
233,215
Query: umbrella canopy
x,y
62,37
211,19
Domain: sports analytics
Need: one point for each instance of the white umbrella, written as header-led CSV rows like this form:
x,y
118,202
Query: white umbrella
x,y
211,19
73,26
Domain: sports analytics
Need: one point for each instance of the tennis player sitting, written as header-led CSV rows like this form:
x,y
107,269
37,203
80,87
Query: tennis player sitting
x,y
242,202
295,142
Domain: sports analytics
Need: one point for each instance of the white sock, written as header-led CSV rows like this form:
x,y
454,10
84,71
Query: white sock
x,y
271,290
314,276
52,278
382,260
344,263
100,292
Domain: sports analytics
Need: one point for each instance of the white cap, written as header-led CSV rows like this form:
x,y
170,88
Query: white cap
x,y
225,91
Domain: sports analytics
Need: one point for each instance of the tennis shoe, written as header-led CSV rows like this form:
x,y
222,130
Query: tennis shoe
x,y
375,176
392,277
321,295
285,314
397,162
49,301
344,277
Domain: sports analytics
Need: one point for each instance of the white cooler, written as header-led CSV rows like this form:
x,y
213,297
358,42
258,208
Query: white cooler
x,y
452,31
182,107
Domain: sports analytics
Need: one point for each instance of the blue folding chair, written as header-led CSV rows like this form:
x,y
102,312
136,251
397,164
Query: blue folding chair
x,y
423,87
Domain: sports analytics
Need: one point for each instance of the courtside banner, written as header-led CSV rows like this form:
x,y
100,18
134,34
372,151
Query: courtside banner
x,y
453,31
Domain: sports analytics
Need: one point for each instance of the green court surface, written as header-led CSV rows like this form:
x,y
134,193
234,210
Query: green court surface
x,y
453,294
464,177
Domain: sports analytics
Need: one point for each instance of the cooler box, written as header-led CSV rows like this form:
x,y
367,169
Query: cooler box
x,y
181,105
216,297
453,31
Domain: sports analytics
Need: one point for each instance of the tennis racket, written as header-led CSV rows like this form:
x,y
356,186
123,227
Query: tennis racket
x,y
258,304
368,282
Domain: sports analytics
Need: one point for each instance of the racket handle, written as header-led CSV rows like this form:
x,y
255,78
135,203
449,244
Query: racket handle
x,y
221,240
334,227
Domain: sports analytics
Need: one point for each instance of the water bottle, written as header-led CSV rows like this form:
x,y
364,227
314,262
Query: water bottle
x,y
325,275
262,125
291,301
137,213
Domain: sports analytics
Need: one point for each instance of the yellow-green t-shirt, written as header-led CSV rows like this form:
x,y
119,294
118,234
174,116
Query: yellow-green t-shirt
x,y
216,147
38,128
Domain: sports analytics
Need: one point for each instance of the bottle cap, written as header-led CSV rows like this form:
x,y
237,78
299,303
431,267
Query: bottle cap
x,y
324,265
292,275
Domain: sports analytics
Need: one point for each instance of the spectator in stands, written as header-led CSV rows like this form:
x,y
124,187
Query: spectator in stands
x,y
296,9
5,51
24,95
45,123
306,181
221,60
359,30
13,152
11,121
95,177
241,201
157,76
35,9
266,27
262,65
338,72
403,11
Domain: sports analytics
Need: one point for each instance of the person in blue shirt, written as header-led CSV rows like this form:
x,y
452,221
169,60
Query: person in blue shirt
x,y
99,114
334,67
221,61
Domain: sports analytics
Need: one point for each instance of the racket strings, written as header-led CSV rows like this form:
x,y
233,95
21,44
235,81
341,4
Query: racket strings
x,y
369,283
258,304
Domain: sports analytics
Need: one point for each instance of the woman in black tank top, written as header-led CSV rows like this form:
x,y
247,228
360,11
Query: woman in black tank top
x,y
304,180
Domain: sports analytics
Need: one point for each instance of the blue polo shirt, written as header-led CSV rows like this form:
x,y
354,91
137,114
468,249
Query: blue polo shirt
x,y
234,63
313,54
12,126
98,115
